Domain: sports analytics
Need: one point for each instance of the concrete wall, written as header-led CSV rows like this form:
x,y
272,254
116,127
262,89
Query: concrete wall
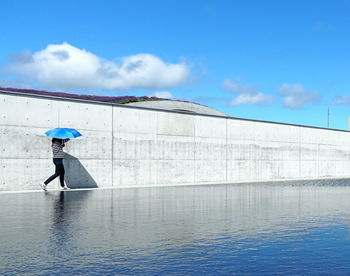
x,y
127,146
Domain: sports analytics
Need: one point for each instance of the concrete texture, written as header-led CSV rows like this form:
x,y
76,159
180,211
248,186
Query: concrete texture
x,y
127,146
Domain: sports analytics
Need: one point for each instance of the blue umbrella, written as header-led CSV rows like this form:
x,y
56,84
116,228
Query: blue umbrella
x,y
63,133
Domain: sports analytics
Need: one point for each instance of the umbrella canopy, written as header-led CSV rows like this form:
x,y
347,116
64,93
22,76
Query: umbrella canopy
x,y
63,133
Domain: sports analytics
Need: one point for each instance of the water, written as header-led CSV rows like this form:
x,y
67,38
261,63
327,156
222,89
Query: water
x,y
250,229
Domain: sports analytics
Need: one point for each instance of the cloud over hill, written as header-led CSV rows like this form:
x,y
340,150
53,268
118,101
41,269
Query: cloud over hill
x,y
67,67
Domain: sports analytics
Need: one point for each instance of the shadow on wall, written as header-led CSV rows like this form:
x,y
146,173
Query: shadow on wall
x,y
76,176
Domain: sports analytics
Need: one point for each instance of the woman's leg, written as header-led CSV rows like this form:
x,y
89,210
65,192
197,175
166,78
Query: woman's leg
x,y
61,171
52,177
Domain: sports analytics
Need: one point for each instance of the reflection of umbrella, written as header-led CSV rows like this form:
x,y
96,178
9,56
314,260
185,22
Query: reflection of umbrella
x,y
63,133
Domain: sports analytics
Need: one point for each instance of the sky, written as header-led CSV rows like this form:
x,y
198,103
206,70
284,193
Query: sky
x,y
283,61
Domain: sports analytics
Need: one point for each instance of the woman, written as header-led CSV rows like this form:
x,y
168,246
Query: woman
x,y
58,154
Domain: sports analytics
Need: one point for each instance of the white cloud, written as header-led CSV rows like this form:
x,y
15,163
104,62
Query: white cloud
x,y
162,95
238,88
258,98
295,95
247,93
342,100
65,66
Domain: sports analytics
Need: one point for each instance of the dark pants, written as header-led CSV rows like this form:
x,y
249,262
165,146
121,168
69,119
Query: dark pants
x,y
59,171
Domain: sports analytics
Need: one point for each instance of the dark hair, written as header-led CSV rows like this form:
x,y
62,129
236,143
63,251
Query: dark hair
x,y
56,140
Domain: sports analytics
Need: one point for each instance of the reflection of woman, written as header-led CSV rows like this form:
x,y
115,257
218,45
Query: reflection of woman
x,y
58,154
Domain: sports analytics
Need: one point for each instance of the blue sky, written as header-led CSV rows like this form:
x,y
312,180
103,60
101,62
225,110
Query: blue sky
x,y
284,61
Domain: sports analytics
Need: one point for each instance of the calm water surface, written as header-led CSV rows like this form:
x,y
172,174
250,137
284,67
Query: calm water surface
x,y
250,229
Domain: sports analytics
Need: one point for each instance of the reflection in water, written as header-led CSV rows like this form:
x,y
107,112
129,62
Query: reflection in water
x,y
60,242
67,207
225,229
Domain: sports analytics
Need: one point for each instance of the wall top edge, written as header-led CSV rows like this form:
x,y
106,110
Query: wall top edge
x,y
28,95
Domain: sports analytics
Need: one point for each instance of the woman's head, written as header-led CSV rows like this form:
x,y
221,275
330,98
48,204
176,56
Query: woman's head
x,y
56,140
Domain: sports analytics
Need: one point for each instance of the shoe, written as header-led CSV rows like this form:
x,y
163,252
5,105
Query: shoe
x,y
65,188
43,186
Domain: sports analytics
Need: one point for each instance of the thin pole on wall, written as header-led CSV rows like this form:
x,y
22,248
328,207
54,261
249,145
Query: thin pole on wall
x,y
112,145
328,117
